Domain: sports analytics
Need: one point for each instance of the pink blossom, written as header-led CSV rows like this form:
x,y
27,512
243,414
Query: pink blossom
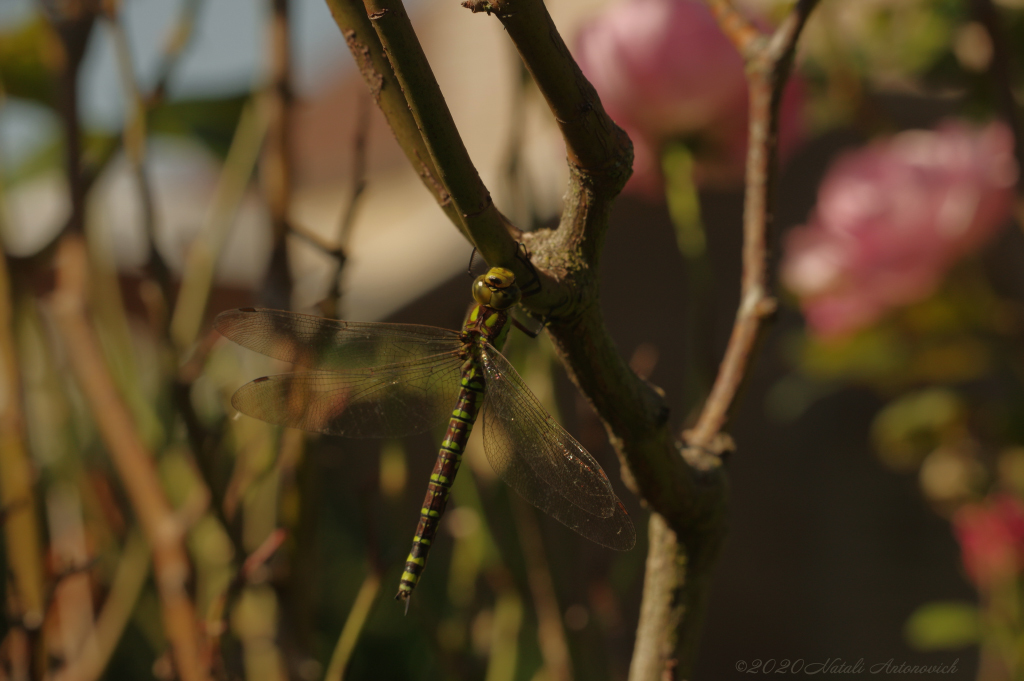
x,y
665,72
893,217
991,536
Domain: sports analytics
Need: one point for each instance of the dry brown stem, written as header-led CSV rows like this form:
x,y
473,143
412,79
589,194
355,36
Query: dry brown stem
x,y
276,162
128,582
133,462
25,599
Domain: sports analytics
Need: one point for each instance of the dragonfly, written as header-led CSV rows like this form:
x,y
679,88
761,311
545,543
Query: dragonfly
x,y
376,380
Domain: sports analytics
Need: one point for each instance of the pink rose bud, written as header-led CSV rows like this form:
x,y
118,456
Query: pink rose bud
x,y
991,536
893,217
666,72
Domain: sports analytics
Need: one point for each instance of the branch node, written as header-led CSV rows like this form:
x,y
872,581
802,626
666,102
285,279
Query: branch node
x,y
766,307
475,6
488,202
709,456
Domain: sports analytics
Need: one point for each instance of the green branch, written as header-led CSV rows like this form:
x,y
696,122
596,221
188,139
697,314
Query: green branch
x,y
362,40
487,228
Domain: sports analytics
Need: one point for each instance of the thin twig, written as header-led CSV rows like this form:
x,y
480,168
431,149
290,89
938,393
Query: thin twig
x,y
135,465
71,594
17,487
178,39
73,22
331,304
129,578
680,559
362,40
134,143
276,161
742,32
220,609
550,631
487,228
354,624
586,128
357,173
768,69
205,250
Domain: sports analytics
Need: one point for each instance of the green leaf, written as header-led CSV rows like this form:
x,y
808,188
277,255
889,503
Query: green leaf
x,y
683,200
211,121
28,57
943,625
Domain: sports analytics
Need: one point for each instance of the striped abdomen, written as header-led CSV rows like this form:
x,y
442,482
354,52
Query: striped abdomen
x,y
448,459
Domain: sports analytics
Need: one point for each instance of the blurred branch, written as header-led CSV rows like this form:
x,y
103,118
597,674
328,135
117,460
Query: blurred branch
x,y
1001,72
129,578
486,227
134,141
350,15
358,173
742,32
220,609
331,304
550,633
26,593
72,594
72,25
768,68
178,38
354,624
73,22
276,161
201,261
508,618
134,464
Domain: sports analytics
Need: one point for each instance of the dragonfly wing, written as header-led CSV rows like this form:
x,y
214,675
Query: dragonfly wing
x,y
393,400
543,463
331,344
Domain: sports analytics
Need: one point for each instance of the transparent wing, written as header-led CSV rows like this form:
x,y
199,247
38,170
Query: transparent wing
x,y
543,463
393,400
330,344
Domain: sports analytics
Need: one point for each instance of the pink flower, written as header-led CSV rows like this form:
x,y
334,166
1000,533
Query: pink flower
x,y
893,217
665,72
991,537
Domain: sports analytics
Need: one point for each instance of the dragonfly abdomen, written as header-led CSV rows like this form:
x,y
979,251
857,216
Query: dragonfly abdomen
x,y
448,459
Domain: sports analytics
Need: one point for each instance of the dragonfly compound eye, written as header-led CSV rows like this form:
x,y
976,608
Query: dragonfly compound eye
x,y
504,298
499,277
482,291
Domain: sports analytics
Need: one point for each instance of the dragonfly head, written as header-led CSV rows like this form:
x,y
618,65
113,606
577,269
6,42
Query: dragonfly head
x,y
496,289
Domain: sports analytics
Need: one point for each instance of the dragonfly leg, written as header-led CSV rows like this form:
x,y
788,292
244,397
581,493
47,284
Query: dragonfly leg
x,y
522,327
533,286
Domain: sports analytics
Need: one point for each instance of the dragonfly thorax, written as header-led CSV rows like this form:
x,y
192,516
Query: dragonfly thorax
x,y
496,289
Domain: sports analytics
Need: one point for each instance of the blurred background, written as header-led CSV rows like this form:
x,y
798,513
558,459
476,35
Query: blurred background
x,y
877,488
